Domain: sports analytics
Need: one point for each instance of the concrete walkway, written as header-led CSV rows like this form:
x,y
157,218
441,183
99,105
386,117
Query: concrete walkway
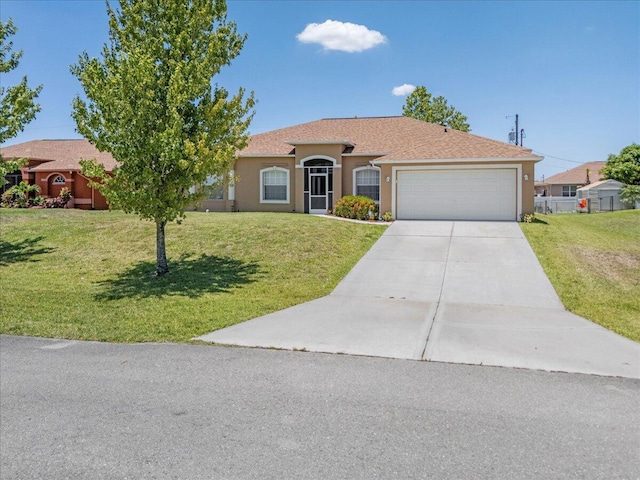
x,y
444,291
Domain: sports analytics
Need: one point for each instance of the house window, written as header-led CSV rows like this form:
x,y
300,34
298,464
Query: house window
x,y
11,179
274,185
367,182
569,190
59,180
214,187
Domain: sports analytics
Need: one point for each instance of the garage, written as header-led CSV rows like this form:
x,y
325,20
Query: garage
x,y
457,194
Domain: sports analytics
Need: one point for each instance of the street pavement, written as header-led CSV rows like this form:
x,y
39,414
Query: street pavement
x,y
88,410
446,291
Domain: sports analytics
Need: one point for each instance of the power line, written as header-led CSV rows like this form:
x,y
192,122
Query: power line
x,y
561,167
558,158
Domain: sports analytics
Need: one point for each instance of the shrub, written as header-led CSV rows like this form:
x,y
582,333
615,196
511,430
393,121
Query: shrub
x,y
11,199
54,203
38,201
356,207
387,217
65,195
630,194
19,196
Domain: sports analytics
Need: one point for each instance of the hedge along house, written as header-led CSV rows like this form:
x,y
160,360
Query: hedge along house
x,y
55,164
411,168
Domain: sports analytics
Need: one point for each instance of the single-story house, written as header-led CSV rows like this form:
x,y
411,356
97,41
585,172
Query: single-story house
x,y
602,196
566,183
55,164
411,168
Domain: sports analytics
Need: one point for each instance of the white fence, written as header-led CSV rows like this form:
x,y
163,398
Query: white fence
x,y
604,202
555,204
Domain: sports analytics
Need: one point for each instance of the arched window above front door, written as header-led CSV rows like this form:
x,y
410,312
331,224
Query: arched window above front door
x,y
318,162
59,180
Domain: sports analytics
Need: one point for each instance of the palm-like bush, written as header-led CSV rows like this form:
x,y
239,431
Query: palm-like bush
x,y
18,195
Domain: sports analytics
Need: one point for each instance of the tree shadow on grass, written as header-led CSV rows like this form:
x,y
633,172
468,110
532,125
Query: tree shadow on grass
x,y
25,250
187,277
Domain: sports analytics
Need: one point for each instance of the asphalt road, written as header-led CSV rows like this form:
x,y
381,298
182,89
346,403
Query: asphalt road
x,y
81,410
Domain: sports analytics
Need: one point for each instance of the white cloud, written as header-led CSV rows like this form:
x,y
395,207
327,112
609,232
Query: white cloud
x,y
403,90
346,37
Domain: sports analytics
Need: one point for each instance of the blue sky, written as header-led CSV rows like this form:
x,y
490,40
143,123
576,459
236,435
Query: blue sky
x,y
571,70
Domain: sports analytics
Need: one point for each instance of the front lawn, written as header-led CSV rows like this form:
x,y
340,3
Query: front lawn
x,y
593,261
89,275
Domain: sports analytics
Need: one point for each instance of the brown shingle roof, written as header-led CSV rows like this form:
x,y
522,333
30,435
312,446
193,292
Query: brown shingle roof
x,y
389,138
577,175
58,154
392,138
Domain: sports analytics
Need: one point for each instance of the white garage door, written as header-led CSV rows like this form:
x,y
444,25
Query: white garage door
x,y
469,194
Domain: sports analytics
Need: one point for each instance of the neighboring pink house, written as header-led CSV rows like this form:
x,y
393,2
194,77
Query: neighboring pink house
x,y
54,164
566,183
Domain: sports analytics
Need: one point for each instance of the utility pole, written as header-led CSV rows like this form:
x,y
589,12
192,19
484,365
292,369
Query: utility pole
x,y
513,135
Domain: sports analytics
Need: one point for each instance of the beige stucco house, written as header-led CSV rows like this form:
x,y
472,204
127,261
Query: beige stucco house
x,y
413,169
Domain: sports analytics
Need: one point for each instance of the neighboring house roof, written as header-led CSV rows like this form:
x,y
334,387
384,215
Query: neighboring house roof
x,y
577,175
58,155
391,138
603,183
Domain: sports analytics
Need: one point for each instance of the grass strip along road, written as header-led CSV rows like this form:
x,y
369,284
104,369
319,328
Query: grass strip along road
x,y
593,262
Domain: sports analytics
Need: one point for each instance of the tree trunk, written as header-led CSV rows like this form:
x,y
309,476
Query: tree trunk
x,y
161,251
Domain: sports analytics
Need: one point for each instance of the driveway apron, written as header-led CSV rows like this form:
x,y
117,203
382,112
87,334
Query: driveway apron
x,y
446,291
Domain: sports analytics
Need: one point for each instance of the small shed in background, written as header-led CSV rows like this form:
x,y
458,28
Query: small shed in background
x,y
601,196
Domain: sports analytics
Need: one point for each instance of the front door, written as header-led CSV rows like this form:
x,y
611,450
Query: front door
x,y
318,193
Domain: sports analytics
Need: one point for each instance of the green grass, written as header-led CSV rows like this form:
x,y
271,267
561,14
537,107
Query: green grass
x,y
89,275
593,262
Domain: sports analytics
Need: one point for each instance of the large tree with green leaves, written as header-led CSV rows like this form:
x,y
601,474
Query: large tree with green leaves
x,y
420,104
624,167
17,103
151,103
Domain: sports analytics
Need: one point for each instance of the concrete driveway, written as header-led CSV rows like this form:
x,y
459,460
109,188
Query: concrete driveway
x,y
446,291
